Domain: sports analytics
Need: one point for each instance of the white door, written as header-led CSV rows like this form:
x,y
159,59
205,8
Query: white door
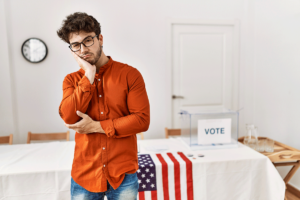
x,y
204,67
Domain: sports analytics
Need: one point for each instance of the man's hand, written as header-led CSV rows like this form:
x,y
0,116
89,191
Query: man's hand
x,y
90,70
86,125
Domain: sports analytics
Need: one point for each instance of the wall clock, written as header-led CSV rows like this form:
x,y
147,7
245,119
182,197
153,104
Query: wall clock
x,y
34,50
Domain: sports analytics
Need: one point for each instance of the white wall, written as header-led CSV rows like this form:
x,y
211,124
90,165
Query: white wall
x,y
135,32
277,70
6,104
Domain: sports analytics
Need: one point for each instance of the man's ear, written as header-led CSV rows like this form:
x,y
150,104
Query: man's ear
x,y
101,39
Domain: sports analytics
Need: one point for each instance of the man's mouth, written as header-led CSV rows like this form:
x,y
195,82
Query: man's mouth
x,y
86,56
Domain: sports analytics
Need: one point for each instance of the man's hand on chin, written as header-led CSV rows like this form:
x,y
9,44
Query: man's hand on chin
x,y
90,70
86,125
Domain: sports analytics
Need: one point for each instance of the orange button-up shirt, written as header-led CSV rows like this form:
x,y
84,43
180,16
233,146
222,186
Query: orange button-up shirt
x,y
118,99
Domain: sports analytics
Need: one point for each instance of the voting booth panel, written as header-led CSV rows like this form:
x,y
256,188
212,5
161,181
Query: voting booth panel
x,y
209,129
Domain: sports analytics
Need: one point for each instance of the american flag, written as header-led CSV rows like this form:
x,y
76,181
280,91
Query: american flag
x,y
165,176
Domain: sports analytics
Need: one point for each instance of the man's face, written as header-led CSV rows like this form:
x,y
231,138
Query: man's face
x,y
90,54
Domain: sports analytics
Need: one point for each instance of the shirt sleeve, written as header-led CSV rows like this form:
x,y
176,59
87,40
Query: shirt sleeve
x,y
75,97
139,108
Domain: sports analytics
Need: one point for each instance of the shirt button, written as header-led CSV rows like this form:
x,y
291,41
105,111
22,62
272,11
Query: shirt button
x,y
103,148
100,95
103,165
99,79
102,113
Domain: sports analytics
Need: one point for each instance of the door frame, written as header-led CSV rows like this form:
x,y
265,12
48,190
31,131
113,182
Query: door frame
x,y
169,73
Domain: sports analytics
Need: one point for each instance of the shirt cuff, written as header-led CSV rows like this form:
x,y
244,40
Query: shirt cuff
x,y
108,127
85,84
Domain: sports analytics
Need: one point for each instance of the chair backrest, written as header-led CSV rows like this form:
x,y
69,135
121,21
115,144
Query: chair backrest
x,y
48,136
142,136
171,132
6,139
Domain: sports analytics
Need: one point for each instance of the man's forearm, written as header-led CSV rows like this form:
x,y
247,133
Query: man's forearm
x,y
127,125
75,98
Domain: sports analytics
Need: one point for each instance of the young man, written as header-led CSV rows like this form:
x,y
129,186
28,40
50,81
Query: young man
x,y
106,103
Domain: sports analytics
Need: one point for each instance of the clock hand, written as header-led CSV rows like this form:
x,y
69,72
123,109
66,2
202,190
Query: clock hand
x,y
36,49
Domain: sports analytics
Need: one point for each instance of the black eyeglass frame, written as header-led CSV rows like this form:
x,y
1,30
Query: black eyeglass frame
x,y
83,43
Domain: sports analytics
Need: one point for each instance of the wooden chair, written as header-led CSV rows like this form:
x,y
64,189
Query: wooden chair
x,y
172,132
142,136
6,139
48,136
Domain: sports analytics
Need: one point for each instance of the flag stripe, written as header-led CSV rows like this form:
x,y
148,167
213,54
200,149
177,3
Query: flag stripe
x,y
141,195
159,182
176,176
164,176
182,176
154,195
147,195
170,176
189,176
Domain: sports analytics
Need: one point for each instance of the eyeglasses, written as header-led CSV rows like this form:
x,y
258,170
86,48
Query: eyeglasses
x,y
87,42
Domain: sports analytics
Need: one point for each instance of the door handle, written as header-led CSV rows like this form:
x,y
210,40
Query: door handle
x,y
177,97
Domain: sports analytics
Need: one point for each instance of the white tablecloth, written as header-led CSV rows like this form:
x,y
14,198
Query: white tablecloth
x,y
228,174
39,171
42,171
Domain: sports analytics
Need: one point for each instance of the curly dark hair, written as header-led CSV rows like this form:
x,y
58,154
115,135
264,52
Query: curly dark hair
x,y
77,22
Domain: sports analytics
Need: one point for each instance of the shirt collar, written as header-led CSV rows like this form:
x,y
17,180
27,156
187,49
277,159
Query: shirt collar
x,y
102,69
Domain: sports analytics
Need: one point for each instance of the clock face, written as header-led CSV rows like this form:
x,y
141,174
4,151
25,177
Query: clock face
x,y
34,50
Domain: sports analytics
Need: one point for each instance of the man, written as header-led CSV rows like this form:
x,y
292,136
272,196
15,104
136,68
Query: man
x,y
106,103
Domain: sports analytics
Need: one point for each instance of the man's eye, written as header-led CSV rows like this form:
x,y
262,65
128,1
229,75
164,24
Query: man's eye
x,y
75,45
88,40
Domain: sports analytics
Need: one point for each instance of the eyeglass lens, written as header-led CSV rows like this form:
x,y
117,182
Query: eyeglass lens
x,y
87,42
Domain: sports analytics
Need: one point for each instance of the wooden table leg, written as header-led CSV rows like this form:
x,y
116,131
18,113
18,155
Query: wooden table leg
x,y
291,173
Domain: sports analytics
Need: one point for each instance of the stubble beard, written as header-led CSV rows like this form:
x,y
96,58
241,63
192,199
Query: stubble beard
x,y
97,56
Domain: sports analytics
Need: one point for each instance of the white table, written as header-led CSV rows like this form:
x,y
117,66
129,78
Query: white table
x,y
39,171
228,174
43,171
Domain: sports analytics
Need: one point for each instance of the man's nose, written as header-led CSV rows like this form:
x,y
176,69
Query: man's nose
x,y
83,48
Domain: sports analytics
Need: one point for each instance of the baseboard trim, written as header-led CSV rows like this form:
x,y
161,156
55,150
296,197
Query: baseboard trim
x,y
293,190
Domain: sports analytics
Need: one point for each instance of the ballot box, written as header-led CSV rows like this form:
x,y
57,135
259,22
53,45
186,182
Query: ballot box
x,y
205,128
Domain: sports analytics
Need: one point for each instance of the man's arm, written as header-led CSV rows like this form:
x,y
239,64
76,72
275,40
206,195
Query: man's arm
x,y
139,108
77,98
86,125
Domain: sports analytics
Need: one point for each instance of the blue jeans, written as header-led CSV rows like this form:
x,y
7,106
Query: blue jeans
x,y
126,191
